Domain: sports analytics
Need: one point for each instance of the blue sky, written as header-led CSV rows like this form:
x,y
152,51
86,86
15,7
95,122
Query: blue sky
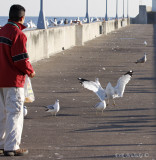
x,y
73,7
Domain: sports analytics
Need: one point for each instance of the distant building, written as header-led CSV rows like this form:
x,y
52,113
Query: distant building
x,y
141,18
154,5
147,13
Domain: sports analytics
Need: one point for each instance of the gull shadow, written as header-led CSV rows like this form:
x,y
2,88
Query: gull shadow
x,y
68,115
147,78
122,123
61,115
141,90
62,92
96,157
135,85
27,117
114,145
136,109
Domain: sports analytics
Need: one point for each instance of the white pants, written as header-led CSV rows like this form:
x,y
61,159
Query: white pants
x,y
11,117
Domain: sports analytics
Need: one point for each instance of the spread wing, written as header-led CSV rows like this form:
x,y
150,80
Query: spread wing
x,y
94,86
121,84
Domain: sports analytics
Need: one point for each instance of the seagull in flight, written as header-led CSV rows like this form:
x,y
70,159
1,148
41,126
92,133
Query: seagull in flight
x,y
53,109
143,59
109,92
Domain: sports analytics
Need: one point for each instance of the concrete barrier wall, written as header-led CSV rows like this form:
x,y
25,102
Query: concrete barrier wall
x,y
37,44
44,43
63,38
108,26
120,23
91,31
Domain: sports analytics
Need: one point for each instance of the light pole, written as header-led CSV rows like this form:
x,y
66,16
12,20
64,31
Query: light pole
x,y
116,9
123,9
127,8
87,14
106,17
41,19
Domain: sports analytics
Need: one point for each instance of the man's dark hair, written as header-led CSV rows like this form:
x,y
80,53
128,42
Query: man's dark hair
x,y
16,12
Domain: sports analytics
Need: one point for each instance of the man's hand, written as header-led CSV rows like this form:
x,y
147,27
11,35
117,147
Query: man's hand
x,y
32,75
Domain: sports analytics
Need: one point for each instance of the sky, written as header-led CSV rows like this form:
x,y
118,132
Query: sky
x,y
74,8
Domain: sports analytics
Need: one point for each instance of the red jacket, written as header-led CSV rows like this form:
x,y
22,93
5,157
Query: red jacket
x,y
14,60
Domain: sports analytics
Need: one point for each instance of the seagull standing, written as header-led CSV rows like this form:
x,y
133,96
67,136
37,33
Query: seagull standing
x,y
32,25
110,92
27,25
145,43
53,23
47,22
25,111
60,22
71,22
53,109
100,106
143,59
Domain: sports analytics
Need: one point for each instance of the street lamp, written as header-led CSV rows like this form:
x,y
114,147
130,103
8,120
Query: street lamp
x,y
87,15
123,9
41,19
106,17
116,9
127,8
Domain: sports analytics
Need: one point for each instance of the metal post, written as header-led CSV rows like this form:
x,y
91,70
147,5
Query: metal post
x,y
123,9
127,8
106,17
116,9
87,14
41,19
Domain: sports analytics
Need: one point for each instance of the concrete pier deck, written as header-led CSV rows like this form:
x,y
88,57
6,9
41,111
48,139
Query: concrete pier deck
x,y
125,131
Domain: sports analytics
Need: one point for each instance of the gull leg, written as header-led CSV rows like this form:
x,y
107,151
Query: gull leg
x,y
114,103
102,112
107,103
55,114
96,112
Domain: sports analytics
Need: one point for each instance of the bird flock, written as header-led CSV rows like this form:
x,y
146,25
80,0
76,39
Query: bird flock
x,y
55,22
107,94
110,92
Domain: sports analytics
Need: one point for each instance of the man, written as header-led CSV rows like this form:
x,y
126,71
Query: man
x,y
14,65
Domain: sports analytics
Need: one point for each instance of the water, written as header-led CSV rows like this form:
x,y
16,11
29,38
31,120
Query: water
x,y
4,19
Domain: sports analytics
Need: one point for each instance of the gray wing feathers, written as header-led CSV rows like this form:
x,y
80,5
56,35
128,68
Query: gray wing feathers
x,y
141,60
50,107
